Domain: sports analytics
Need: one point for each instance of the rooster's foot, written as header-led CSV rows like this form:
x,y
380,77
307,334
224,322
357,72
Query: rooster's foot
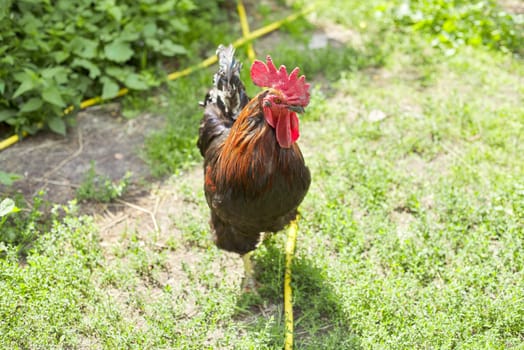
x,y
249,283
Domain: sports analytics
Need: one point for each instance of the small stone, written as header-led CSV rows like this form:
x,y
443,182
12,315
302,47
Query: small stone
x,y
376,115
318,41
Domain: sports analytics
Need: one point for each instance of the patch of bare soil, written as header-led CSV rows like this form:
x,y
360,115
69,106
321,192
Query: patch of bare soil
x,y
158,220
58,164
157,211
512,6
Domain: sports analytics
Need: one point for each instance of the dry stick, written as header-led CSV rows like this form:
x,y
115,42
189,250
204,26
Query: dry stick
x,y
45,179
114,222
134,206
157,202
108,213
44,144
74,155
57,183
462,160
155,211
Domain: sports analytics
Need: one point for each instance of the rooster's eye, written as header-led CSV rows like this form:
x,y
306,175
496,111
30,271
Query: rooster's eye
x,y
277,101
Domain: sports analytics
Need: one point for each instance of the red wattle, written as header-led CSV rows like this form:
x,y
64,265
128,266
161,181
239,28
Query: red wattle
x,y
294,126
287,129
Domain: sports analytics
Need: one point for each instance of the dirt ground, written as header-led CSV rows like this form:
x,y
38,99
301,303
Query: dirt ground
x,y
58,164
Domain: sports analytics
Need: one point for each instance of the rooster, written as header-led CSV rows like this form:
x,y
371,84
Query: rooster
x,y
255,176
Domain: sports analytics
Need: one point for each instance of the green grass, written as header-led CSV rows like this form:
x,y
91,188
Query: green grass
x,y
419,215
411,236
95,187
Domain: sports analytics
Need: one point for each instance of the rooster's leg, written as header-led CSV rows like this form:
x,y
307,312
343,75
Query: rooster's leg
x,y
249,283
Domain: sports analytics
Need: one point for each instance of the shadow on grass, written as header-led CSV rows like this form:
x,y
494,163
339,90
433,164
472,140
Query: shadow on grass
x,y
319,316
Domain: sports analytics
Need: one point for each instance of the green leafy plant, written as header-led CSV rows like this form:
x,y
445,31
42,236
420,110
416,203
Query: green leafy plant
x,y
447,24
20,230
8,178
53,55
100,188
7,206
459,22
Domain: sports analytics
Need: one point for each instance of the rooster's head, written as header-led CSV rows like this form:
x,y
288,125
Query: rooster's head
x,y
286,96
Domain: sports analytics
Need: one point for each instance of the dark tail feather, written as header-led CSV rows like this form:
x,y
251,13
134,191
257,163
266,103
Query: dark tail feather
x,y
224,101
228,66
228,91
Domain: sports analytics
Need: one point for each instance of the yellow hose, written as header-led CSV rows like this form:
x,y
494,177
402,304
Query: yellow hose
x,y
288,301
11,140
239,42
271,27
245,29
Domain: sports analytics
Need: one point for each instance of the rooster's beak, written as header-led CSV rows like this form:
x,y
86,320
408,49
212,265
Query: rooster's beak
x,y
296,108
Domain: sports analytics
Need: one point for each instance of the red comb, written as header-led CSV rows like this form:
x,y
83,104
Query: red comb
x,y
266,75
